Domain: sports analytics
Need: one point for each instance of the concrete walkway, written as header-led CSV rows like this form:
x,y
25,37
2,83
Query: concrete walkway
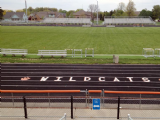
x,y
79,114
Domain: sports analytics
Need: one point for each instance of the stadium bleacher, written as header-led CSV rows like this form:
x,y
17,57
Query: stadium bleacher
x,y
128,20
68,20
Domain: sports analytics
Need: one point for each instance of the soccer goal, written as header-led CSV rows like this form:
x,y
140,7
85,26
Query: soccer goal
x,y
157,52
148,52
89,52
78,53
69,52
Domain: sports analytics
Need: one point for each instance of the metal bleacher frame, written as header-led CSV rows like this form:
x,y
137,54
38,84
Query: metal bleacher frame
x,y
113,20
86,21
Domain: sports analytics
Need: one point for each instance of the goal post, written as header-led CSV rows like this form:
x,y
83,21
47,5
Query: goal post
x,y
76,51
70,53
91,54
157,52
148,52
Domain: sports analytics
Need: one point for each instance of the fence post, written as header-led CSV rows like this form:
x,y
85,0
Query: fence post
x,y
12,99
49,99
118,109
140,102
71,107
25,107
103,97
86,97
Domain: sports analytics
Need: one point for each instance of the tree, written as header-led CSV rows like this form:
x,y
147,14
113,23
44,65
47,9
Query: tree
x,y
4,12
145,12
54,9
121,6
106,13
70,13
119,13
111,13
78,10
62,11
156,12
30,9
1,13
20,10
101,16
130,9
93,9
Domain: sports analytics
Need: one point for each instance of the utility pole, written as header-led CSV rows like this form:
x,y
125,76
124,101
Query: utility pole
x,y
26,19
97,12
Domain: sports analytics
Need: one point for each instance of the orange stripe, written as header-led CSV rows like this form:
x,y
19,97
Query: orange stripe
x,y
131,92
39,91
94,91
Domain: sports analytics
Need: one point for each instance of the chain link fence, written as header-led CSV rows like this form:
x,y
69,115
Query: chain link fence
x,y
79,107
52,107
12,107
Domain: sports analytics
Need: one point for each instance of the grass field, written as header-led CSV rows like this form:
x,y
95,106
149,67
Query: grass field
x,y
103,40
158,23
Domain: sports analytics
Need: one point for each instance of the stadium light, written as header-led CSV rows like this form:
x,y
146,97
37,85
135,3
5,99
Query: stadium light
x,y
97,12
26,11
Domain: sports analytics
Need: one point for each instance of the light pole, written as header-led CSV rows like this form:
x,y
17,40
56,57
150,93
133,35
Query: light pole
x,y
26,19
97,12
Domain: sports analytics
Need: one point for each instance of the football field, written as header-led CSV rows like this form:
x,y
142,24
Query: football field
x,y
103,40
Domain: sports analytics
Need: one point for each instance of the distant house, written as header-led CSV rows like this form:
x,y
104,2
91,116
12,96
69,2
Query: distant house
x,y
82,14
14,16
137,13
38,16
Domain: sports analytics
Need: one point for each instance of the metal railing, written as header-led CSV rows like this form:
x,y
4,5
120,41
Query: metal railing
x,y
129,117
79,107
64,117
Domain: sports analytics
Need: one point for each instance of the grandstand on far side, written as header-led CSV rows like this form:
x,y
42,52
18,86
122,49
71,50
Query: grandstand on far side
x,y
109,20
73,21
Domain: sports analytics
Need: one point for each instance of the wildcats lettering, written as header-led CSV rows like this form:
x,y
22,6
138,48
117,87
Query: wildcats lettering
x,y
101,79
88,79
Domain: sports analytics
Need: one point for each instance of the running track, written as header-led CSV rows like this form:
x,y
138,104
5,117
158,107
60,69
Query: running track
x,y
80,77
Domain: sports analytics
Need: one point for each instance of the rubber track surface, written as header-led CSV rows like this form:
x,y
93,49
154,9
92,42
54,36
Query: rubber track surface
x,y
11,75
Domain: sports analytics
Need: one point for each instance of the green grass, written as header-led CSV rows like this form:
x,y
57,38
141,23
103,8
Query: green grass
x,y
88,60
99,22
103,40
157,23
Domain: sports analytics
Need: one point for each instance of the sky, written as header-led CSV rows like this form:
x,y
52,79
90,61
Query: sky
x,y
104,5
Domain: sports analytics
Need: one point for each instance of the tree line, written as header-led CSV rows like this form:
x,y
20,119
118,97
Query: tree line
x,y
121,10
129,10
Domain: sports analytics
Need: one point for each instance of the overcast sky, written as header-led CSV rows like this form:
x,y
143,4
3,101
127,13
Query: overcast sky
x,y
104,5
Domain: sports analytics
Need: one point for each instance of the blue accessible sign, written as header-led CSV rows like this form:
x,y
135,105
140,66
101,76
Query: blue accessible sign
x,y
96,104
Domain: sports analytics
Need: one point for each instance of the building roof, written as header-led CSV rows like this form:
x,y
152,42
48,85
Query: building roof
x,y
62,14
137,13
81,12
9,15
44,14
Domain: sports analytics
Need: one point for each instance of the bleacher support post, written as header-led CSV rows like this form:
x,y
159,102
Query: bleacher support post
x,y
118,108
71,107
25,107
